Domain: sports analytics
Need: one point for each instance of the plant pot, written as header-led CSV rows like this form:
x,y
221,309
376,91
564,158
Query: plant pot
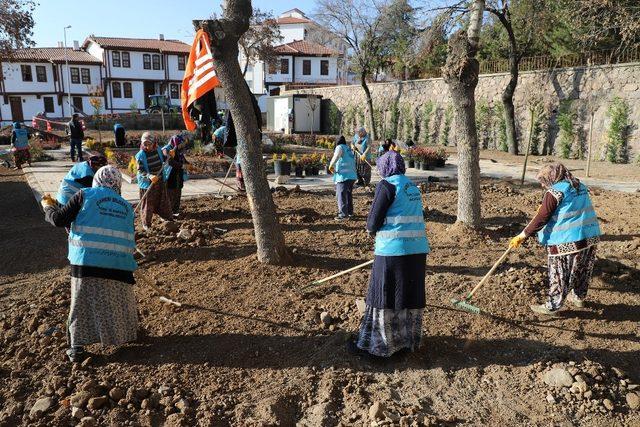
x,y
412,163
440,163
282,168
315,171
299,172
424,166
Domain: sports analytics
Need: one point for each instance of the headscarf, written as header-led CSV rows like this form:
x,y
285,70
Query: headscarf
x,y
147,136
17,125
391,163
97,161
555,172
175,142
109,177
341,140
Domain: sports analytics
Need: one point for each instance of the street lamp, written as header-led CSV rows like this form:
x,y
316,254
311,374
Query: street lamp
x,y
66,62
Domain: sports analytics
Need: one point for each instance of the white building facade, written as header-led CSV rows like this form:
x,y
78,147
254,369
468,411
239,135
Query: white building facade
x,y
310,56
135,69
36,81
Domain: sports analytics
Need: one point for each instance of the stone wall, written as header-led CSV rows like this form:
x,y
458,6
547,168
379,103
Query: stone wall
x,y
575,89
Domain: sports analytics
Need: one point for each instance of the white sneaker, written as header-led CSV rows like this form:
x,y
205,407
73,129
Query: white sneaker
x,y
573,299
542,309
145,228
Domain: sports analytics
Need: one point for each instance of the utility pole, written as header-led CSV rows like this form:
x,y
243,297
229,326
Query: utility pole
x,y
66,62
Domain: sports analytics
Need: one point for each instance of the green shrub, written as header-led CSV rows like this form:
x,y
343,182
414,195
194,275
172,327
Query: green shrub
x,y
618,132
566,133
333,117
483,123
392,129
501,127
426,115
446,126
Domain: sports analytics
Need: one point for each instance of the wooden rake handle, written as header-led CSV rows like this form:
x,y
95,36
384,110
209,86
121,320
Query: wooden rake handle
x,y
489,273
326,279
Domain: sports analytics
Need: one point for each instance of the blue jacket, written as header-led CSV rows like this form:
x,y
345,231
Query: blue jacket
x,y
345,166
404,230
143,180
574,218
69,186
21,140
102,234
362,146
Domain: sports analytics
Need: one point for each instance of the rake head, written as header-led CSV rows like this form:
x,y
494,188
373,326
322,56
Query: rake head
x,y
464,305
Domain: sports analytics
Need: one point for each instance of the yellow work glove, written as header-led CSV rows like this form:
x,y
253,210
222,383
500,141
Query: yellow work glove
x,y
515,242
362,157
172,153
332,169
153,178
47,201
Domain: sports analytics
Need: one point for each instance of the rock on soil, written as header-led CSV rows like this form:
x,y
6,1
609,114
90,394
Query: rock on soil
x,y
633,400
41,407
376,411
558,377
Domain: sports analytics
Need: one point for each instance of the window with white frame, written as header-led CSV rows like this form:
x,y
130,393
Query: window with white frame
x,y
116,89
126,88
75,75
146,61
175,91
126,60
115,58
156,62
41,73
86,76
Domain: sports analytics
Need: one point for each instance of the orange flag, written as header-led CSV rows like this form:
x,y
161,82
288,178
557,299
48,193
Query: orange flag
x,y
199,75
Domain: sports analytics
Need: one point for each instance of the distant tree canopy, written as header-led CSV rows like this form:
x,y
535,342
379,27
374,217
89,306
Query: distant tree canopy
x,y
16,25
260,39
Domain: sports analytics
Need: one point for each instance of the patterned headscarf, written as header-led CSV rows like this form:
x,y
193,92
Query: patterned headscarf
x,y
109,177
555,172
391,163
146,137
175,142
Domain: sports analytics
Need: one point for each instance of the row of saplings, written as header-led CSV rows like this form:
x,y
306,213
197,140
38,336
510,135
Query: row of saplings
x,y
418,157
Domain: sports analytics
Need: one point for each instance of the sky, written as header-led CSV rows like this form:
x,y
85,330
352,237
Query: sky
x,y
133,18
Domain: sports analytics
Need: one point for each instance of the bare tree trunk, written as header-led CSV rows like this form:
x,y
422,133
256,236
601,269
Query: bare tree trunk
x,y
461,74
507,94
225,33
367,92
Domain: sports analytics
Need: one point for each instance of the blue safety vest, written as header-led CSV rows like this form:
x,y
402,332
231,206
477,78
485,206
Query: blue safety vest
x,y
574,218
404,231
143,181
219,133
345,166
168,168
22,139
69,187
102,234
362,146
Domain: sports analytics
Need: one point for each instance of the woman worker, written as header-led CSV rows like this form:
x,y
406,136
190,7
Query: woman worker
x,y
174,151
79,176
20,146
151,180
343,167
567,226
101,246
363,152
396,297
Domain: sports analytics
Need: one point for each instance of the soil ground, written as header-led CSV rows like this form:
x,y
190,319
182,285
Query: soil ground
x,y
247,346
603,170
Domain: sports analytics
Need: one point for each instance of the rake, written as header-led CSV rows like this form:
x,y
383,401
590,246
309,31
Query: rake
x,y
464,303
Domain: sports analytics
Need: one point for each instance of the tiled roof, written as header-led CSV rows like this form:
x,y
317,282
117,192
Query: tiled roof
x,y
292,20
54,54
156,45
303,47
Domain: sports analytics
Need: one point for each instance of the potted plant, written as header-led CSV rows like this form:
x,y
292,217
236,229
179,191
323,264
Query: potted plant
x,y
314,165
281,165
411,161
298,166
429,159
324,162
441,157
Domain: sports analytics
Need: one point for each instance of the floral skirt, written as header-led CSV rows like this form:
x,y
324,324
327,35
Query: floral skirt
x,y
102,311
385,331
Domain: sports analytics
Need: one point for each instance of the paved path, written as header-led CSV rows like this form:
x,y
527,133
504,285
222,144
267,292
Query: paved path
x,y
45,177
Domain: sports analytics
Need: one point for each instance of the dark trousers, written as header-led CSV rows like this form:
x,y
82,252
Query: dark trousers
x,y
76,144
344,194
120,137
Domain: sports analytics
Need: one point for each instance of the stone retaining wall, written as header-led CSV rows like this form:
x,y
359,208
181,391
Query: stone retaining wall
x,y
583,87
